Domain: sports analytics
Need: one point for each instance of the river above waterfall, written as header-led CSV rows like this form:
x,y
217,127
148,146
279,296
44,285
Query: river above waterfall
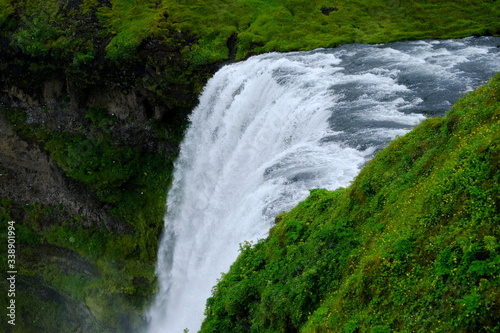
x,y
270,128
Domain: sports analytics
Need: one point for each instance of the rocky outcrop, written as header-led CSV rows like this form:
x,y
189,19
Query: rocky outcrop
x,y
30,176
123,114
88,252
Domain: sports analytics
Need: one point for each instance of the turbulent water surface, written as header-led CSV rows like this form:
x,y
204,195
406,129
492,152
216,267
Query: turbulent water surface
x,y
274,126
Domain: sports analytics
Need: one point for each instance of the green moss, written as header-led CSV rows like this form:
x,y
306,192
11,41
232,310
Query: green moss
x,y
30,132
411,245
39,309
83,266
6,10
103,165
130,22
260,26
89,264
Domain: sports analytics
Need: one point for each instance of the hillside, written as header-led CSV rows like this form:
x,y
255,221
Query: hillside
x,y
411,245
206,32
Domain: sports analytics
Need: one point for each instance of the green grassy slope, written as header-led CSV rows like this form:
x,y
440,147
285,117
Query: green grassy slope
x,y
285,25
257,25
411,246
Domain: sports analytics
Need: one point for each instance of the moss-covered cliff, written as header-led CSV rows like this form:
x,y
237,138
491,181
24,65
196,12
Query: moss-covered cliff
x,y
410,246
94,99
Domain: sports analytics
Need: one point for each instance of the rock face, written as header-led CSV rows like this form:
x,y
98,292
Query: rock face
x,y
32,176
29,175
87,145
70,229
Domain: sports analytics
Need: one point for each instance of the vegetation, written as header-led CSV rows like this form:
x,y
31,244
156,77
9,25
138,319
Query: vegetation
x,y
258,26
119,266
410,246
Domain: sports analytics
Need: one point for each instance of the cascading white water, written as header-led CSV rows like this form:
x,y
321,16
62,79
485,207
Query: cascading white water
x,y
274,126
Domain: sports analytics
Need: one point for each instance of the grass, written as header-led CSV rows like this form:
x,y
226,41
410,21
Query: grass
x,y
263,26
259,26
410,246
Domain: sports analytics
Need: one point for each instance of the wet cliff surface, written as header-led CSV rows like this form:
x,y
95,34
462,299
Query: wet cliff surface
x,y
85,161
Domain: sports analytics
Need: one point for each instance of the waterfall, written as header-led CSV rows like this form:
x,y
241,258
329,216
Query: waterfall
x,y
269,129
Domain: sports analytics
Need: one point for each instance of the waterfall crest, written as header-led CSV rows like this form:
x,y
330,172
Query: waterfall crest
x,y
274,126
